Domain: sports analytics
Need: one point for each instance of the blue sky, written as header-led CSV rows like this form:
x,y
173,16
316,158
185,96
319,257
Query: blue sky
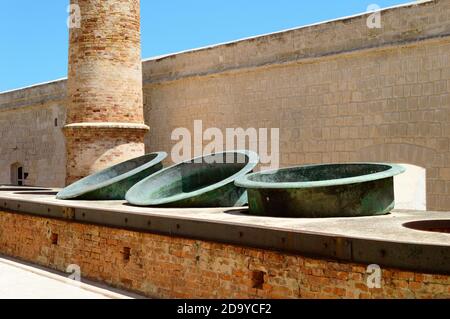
x,y
34,36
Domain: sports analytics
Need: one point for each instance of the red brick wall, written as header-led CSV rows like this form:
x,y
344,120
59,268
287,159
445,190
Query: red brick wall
x,y
171,267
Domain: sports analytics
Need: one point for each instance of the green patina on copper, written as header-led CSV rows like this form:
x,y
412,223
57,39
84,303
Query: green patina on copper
x,y
113,183
327,190
206,181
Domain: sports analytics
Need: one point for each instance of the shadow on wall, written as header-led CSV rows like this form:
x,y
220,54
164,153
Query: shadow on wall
x,y
410,188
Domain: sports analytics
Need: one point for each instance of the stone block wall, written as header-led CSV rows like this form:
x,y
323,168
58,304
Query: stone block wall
x,y
171,267
30,134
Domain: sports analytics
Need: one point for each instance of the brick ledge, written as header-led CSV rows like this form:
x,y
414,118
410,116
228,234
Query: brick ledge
x,y
107,125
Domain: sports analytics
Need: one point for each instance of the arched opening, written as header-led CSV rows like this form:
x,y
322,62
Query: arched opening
x,y
18,175
410,188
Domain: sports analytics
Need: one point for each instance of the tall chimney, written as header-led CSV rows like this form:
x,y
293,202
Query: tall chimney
x,y
105,121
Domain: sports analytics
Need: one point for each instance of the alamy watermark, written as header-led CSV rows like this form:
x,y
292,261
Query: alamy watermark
x,y
257,140
74,272
374,19
74,18
374,276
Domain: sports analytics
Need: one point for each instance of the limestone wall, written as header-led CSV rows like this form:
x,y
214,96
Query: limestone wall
x,y
338,91
30,134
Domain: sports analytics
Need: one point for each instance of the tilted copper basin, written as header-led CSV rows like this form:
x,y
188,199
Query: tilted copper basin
x,y
206,181
113,183
327,190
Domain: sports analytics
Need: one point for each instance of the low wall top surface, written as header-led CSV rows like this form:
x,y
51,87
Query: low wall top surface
x,y
381,240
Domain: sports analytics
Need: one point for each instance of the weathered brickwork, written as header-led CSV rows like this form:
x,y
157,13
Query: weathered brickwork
x,y
108,146
171,267
104,85
105,69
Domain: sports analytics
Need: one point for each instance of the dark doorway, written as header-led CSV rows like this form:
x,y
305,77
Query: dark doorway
x,y
17,174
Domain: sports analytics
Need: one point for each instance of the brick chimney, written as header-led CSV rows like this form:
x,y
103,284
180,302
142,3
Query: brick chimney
x,y
105,121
